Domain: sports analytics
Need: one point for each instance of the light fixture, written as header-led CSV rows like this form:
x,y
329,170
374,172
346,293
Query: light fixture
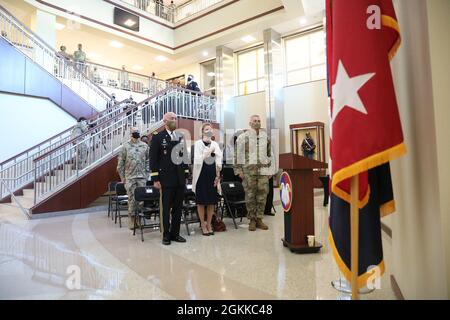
x,y
161,58
303,21
211,74
129,23
205,53
59,26
138,67
116,44
248,39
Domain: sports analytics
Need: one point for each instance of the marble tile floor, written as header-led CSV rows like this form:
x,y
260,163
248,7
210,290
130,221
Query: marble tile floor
x,y
42,258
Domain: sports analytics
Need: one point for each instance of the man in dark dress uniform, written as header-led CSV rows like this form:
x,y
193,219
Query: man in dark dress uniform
x,y
169,170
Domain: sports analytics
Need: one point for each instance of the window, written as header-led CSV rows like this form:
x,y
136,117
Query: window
x,y
251,73
305,58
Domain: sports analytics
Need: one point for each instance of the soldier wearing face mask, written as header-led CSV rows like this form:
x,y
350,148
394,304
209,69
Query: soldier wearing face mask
x,y
169,171
253,165
82,151
133,169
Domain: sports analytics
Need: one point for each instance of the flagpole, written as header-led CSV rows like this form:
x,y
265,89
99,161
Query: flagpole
x,y
354,235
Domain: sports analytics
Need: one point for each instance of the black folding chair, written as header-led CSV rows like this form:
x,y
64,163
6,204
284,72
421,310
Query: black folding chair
x,y
234,197
150,196
121,201
190,214
111,197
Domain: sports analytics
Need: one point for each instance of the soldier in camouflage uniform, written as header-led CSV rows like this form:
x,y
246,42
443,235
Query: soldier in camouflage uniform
x,y
253,165
133,168
82,150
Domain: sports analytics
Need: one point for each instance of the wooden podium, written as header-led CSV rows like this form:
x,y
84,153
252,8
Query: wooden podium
x,y
299,220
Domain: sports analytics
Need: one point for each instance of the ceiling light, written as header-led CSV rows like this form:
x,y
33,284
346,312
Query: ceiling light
x,y
138,67
303,21
59,26
205,53
211,74
161,58
116,44
248,39
129,23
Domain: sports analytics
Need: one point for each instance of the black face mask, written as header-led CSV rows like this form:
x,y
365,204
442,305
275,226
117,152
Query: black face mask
x,y
136,135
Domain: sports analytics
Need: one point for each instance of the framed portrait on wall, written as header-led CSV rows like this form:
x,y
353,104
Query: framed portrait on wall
x,y
308,140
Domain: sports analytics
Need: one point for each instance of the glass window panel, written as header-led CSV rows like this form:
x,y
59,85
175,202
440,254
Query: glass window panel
x,y
319,72
247,66
297,53
299,76
261,69
317,41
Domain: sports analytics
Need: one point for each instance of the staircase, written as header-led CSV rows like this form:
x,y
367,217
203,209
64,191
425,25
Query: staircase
x,y
75,172
44,55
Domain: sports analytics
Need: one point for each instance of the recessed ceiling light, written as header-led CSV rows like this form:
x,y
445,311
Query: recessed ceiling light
x,y
303,21
116,44
138,67
129,23
248,39
161,58
59,26
205,53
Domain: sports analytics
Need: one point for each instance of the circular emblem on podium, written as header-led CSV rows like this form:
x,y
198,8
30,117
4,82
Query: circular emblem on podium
x,y
286,191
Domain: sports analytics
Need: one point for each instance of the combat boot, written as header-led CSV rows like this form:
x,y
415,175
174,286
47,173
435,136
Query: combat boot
x,y
252,225
261,225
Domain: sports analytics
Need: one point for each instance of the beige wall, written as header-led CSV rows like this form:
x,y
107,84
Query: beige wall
x,y
193,69
307,102
438,28
248,105
419,264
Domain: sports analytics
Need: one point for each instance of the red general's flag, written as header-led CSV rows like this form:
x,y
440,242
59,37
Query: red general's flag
x,y
366,131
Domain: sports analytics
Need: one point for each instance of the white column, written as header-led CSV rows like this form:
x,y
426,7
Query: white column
x,y
225,87
273,61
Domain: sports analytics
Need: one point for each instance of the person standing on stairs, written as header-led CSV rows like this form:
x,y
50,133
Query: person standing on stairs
x,y
133,167
82,150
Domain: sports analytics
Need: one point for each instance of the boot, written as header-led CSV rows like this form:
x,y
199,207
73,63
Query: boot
x,y
261,225
131,222
252,225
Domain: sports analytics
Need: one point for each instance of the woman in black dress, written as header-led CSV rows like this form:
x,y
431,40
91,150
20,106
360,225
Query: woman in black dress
x,y
206,175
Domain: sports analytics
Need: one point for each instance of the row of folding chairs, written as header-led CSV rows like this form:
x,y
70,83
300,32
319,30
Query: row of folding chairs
x,y
231,203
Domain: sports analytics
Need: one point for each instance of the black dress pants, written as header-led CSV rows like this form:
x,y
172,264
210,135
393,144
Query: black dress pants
x,y
172,205
269,202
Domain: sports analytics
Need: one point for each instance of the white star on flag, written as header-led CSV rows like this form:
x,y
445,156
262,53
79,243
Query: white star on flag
x,y
345,91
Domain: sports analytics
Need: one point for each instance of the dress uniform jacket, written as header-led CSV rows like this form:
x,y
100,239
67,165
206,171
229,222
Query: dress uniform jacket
x,y
169,160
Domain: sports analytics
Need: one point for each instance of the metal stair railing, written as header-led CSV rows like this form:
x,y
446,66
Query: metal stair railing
x,y
57,168
124,80
17,171
24,40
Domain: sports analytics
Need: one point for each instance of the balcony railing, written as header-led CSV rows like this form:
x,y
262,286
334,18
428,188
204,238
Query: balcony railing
x,y
122,79
172,13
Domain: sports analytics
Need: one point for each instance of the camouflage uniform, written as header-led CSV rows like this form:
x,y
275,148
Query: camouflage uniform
x,y
253,159
82,149
133,166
